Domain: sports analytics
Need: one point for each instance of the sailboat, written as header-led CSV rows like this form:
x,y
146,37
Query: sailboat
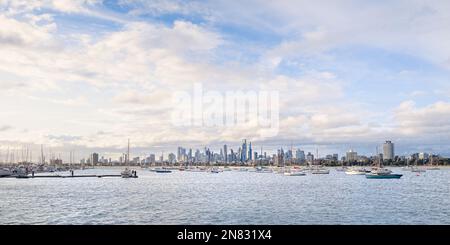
x,y
416,169
382,173
127,173
319,169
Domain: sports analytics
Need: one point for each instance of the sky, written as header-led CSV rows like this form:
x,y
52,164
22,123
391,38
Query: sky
x,y
86,75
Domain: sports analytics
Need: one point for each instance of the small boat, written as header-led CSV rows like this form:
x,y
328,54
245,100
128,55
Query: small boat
x,y
433,168
379,172
341,169
356,171
295,173
214,170
263,170
163,171
126,173
320,170
226,169
382,173
4,172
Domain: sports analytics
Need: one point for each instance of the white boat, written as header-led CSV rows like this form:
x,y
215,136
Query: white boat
x,y
295,173
163,171
214,170
4,172
418,170
320,170
356,171
20,172
126,173
263,170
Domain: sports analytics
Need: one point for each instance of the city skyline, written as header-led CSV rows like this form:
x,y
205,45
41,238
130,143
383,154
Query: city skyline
x,y
84,76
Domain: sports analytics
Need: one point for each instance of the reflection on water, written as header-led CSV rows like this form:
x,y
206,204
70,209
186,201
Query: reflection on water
x,y
227,198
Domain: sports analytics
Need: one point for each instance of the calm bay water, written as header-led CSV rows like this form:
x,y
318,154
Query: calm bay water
x,y
227,198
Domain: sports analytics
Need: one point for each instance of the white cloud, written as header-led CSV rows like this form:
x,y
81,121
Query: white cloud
x,y
432,120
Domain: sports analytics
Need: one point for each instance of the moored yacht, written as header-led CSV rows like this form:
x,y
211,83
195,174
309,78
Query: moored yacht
x,y
295,173
382,173
356,171
4,172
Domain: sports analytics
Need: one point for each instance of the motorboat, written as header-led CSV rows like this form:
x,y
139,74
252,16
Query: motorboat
x,y
163,171
126,173
320,170
356,171
4,172
382,173
295,173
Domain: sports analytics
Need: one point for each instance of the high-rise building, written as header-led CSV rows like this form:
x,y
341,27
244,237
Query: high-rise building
x,y
95,158
388,150
152,159
310,157
351,156
225,153
249,156
244,151
423,156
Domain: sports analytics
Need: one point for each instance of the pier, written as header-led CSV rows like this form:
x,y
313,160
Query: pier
x,y
67,176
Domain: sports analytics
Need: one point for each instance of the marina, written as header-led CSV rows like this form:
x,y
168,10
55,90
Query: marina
x,y
228,197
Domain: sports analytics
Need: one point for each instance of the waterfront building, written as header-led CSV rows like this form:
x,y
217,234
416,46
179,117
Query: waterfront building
x,y
351,156
423,156
388,150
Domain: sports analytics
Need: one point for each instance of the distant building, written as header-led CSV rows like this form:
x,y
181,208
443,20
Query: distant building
x,y
95,158
225,153
171,158
152,159
423,156
300,155
310,157
388,150
351,156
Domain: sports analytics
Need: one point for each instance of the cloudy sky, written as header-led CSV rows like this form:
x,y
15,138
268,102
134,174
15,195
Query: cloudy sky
x,y
86,75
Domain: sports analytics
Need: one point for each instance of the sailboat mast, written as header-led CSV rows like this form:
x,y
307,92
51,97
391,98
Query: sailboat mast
x,y
128,153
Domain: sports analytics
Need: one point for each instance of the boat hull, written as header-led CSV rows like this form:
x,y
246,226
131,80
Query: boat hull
x,y
387,176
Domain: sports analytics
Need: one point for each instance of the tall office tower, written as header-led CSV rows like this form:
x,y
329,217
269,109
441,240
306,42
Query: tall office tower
x,y
190,154
225,153
388,150
250,151
244,151
300,155
179,153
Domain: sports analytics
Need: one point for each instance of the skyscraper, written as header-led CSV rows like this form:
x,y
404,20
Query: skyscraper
x,y
388,150
244,151
249,156
95,158
351,156
225,153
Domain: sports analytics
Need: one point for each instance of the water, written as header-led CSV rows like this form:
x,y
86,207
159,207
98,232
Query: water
x,y
227,198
